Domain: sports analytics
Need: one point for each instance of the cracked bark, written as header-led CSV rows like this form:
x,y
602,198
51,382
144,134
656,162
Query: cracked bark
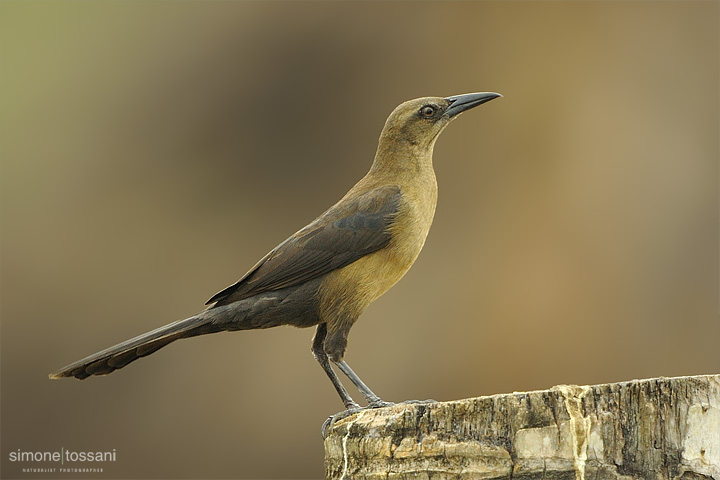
x,y
661,428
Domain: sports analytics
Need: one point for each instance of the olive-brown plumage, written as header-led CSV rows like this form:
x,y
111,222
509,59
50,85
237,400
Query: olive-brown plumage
x,y
328,272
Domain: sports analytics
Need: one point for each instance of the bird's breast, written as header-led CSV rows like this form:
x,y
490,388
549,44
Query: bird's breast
x,y
364,280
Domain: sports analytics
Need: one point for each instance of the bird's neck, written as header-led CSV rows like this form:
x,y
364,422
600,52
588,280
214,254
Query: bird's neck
x,y
400,158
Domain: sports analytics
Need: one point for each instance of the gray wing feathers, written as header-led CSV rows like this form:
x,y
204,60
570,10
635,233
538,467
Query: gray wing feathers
x,y
345,233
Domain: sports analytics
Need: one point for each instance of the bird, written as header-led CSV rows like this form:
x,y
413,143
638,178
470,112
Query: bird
x,y
328,272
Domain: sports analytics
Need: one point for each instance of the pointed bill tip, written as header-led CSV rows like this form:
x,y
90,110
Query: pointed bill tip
x,y
460,103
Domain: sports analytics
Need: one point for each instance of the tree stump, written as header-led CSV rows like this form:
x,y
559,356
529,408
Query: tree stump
x,y
662,428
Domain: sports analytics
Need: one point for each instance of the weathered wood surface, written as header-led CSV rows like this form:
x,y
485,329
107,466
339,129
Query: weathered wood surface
x,y
662,428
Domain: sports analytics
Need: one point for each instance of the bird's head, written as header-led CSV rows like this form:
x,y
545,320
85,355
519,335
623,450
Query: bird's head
x,y
417,123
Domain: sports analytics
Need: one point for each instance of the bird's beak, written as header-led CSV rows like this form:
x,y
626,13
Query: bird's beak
x,y
460,103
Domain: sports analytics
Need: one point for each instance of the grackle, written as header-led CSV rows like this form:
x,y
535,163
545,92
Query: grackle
x,y
328,272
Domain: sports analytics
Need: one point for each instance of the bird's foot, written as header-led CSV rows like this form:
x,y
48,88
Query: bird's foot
x,y
339,416
379,403
355,408
419,402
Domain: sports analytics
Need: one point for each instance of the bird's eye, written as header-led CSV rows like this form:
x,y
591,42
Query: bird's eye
x,y
427,111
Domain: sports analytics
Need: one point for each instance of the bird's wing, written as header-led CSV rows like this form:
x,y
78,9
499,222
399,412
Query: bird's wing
x,y
346,232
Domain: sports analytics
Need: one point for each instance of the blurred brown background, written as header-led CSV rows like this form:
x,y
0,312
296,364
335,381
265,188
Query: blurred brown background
x,y
152,152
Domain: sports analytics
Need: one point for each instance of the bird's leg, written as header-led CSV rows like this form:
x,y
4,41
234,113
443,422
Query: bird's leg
x,y
322,358
373,400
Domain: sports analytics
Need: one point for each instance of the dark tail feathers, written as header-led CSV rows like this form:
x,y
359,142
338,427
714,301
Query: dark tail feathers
x,y
116,357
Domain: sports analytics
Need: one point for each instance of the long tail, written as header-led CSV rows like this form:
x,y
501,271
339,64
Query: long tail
x,y
120,355
289,306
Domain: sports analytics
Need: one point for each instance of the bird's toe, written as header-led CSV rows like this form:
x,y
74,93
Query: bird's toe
x,y
380,404
419,402
327,424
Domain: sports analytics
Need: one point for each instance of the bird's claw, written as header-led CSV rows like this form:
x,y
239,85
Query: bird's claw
x,y
379,404
419,402
338,416
327,424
